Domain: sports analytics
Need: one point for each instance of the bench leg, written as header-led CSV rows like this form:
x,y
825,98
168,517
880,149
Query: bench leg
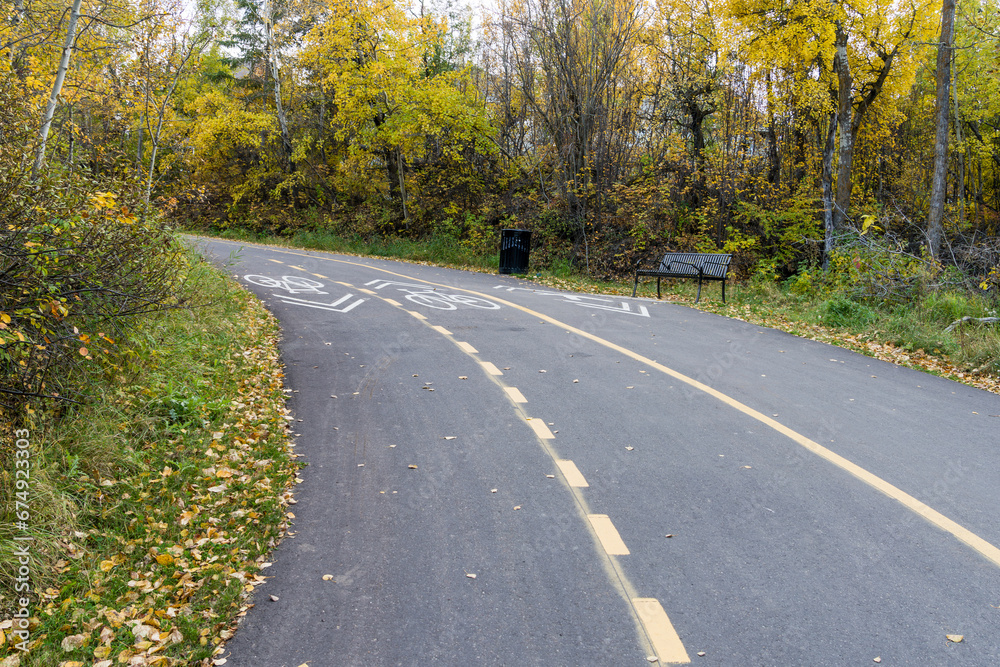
x,y
723,291
636,286
657,287
698,298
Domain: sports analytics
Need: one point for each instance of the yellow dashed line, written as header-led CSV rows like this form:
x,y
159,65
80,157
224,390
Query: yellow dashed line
x,y
368,291
345,284
515,394
419,316
276,261
320,275
490,368
393,302
540,429
608,535
572,474
441,330
297,268
964,535
666,644
466,347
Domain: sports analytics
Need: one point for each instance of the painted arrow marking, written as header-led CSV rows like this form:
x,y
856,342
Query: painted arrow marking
x,y
585,301
625,308
323,306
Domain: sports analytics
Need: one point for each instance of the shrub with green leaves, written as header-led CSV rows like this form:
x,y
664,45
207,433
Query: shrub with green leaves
x,y
77,266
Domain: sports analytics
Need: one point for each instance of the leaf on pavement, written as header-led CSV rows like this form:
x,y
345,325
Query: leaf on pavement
x,y
955,638
327,577
412,467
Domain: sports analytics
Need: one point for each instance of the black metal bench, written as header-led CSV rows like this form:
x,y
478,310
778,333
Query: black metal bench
x,y
703,266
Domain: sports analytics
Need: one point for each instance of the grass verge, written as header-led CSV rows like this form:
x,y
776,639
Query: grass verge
x,y
153,503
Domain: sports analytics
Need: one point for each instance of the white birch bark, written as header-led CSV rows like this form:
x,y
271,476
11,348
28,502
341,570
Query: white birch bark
x,y
50,109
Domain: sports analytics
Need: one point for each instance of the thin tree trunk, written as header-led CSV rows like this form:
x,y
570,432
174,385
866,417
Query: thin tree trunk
x,y
935,214
272,61
50,109
958,141
829,225
71,139
846,134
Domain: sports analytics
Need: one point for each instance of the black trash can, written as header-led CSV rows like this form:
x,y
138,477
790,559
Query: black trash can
x,y
515,247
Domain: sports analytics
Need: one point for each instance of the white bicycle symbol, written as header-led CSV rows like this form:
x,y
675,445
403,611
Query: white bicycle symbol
x,y
443,301
291,284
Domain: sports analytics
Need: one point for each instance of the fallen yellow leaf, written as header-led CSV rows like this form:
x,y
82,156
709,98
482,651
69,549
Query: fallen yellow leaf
x,y
955,638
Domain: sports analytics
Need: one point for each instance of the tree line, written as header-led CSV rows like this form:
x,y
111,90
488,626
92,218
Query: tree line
x,y
780,130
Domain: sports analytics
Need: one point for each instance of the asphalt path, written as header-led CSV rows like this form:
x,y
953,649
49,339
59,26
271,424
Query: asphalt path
x,y
504,474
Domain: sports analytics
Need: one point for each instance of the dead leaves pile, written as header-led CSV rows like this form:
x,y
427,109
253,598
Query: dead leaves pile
x,y
164,581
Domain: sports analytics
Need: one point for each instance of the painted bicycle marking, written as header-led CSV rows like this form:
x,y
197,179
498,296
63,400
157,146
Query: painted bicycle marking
x,y
300,285
432,298
586,301
291,284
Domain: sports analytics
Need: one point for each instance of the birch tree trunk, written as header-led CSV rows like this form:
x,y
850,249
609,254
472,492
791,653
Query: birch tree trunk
x,y
272,62
935,213
50,109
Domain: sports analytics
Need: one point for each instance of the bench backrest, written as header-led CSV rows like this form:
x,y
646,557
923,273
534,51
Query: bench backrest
x,y
714,265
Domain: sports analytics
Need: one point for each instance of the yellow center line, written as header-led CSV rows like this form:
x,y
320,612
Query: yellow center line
x,y
515,394
419,316
612,542
466,347
989,551
540,429
666,644
490,368
393,302
572,474
368,291
653,632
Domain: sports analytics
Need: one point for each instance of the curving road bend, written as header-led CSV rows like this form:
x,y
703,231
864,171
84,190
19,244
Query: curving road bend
x,y
501,474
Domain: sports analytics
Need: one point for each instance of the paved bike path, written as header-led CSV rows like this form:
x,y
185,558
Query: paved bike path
x,y
777,556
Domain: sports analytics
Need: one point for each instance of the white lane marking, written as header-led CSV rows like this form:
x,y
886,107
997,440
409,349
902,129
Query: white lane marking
x,y
290,284
515,394
291,300
585,301
466,347
608,535
572,474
